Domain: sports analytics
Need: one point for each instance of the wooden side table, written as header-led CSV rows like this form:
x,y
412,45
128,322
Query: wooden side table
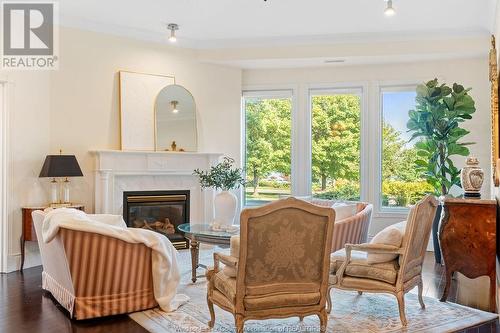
x,y
28,231
468,241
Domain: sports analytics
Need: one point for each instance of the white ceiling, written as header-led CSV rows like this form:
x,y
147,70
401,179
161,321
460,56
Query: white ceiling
x,y
239,23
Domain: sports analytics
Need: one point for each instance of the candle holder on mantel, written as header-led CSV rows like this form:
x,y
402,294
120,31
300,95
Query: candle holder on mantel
x,y
472,177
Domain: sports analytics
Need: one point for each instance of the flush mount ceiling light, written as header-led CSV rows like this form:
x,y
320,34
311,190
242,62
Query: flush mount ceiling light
x,y
172,27
174,106
334,61
389,11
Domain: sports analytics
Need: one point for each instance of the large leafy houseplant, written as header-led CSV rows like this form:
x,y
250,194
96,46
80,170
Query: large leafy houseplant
x,y
435,123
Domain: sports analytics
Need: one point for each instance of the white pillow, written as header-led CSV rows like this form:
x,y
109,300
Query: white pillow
x,y
401,226
343,210
234,252
235,246
229,271
389,236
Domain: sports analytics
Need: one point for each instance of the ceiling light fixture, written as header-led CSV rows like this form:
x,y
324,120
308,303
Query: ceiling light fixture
x,y
389,11
174,106
172,27
334,61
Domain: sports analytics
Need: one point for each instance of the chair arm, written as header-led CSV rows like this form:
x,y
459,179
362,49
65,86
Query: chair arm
x,y
365,247
373,248
225,259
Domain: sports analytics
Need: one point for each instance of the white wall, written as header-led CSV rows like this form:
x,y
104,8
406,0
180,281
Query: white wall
x,y
76,109
469,72
84,96
29,124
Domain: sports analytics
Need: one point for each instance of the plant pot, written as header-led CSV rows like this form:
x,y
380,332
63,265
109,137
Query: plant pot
x,y
225,204
435,236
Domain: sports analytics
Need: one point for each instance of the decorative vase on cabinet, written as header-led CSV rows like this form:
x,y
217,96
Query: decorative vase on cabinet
x,y
472,177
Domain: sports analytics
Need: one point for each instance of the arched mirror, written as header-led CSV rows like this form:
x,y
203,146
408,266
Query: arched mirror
x,y
175,120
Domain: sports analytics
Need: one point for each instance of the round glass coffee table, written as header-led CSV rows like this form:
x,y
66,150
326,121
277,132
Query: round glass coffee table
x,y
202,233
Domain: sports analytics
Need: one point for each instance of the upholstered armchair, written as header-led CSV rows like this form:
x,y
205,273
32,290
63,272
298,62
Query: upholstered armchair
x,y
92,275
283,264
398,276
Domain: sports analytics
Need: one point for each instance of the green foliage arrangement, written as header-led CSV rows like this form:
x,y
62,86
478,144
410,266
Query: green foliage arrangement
x,y
404,193
436,123
343,190
223,176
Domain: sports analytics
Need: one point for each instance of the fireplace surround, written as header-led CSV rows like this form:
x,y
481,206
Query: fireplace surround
x,y
118,171
159,211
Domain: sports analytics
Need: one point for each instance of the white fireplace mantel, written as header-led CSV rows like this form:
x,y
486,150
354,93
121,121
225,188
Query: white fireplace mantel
x,y
118,171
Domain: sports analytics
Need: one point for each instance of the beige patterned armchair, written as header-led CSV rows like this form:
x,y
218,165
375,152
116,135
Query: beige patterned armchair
x,y
283,264
396,277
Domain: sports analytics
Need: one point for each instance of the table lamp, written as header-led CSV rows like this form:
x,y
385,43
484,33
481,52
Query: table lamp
x,y
60,166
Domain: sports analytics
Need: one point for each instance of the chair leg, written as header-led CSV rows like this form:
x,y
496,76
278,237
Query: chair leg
x,y
211,323
401,302
239,323
360,293
328,300
420,298
323,320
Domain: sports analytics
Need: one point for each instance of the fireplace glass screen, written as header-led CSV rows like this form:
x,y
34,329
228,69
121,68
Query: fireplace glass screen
x,y
159,211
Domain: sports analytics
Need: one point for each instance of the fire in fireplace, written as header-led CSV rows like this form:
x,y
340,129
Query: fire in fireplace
x,y
160,211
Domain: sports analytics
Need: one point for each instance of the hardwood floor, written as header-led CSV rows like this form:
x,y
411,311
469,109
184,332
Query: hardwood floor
x,y
25,307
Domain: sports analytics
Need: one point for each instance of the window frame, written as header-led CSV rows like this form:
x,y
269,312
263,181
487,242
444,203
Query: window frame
x,y
356,88
301,144
274,91
380,88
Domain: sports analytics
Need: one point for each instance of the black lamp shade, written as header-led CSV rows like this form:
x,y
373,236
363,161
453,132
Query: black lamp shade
x,y
61,166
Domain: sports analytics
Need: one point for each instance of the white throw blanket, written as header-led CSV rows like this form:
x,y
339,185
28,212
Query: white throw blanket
x,y
166,274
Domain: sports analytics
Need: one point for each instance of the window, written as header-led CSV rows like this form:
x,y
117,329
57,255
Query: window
x,y
268,121
401,184
336,139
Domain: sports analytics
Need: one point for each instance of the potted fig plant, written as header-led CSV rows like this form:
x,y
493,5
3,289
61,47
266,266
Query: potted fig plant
x,y
435,124
223,177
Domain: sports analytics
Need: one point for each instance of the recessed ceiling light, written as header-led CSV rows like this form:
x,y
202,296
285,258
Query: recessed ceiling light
x,y
172,27
389,11
334,61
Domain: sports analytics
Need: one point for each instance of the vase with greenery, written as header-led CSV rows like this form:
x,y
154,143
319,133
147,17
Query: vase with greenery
x,y
435,125
222,177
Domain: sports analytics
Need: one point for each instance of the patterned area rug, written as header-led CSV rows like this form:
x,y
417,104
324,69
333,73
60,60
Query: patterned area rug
x,y
351,313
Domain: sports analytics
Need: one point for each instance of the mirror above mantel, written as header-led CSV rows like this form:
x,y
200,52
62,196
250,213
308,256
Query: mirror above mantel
x,y
156,114
175,120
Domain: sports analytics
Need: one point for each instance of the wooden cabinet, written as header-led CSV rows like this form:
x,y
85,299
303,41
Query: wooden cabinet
x,y
28,229
467,235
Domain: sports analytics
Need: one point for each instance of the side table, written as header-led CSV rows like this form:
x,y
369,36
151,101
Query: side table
x,y
28,229
201,233
468,241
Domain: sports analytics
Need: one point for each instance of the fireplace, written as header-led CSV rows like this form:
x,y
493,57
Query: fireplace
x,y
160,211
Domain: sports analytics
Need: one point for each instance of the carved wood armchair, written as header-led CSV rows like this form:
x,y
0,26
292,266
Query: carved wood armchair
x,y
396,277
283,265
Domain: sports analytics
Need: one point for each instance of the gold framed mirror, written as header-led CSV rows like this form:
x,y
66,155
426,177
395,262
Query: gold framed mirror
x,y
495,139
175,120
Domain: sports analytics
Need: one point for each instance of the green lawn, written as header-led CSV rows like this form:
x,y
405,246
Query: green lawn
x,y
265,194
